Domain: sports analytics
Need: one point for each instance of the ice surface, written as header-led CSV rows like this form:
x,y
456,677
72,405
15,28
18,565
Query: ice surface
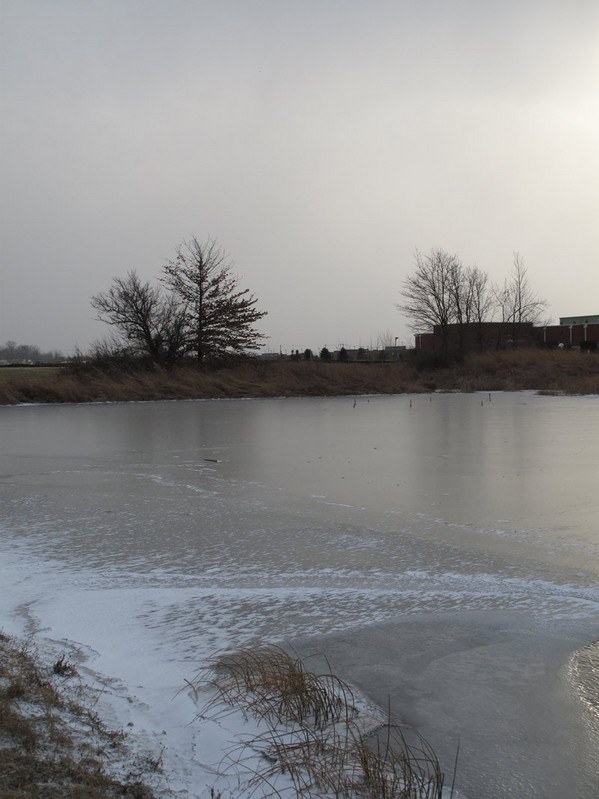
x,y
152,535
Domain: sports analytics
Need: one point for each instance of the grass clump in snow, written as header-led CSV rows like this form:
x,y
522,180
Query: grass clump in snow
x,y
267,683
310,739
52,744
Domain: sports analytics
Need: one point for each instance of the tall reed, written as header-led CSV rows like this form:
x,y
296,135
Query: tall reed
x,y
561,371
310,733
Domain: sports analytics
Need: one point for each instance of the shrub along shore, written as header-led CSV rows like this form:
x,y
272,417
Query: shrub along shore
x,y
546,371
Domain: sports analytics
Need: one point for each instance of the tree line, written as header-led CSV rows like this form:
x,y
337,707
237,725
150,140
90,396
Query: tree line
x,y
198,309
442,293
14,353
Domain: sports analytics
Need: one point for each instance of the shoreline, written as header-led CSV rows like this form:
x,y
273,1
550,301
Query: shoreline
x,y
547,372
500,688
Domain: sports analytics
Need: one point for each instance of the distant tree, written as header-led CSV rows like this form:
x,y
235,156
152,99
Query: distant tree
x,y
19,353
442,292
472,302
516,300
343,356
219,317
480,299
25,353
148,322
384,338
307,355
325,354
430,293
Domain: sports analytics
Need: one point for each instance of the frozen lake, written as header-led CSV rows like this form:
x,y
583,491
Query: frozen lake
x,y
153,534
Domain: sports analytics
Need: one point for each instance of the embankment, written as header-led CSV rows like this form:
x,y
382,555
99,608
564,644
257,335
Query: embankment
x,y
559,371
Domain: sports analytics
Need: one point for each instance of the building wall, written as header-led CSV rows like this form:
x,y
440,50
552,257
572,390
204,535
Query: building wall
x,y
500,335
580,320
573,335
486,336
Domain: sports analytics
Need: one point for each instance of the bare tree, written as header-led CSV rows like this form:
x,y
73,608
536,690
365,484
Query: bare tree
x,y
384,338
219,316
427,291
20,353
442,293
147,321
516,300
434,294
480,299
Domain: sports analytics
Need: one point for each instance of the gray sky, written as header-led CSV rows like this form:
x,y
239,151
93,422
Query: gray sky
x,y
321,142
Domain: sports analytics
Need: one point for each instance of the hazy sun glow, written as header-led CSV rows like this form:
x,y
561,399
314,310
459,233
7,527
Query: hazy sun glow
x,y
320,143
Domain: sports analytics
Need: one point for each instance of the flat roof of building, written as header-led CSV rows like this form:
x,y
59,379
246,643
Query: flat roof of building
x,y
592,319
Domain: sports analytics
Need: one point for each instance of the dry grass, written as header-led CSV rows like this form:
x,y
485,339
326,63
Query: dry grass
x,y
269,684
52,744
311,732
547,371
557,371
252,378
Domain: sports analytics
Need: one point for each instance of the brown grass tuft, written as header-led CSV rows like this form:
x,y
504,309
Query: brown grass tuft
x,y
311,733
269,684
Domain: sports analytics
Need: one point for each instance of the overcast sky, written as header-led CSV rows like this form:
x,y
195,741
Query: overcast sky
x,y
320,141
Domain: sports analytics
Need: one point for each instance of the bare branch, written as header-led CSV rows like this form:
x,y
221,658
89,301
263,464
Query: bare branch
x,y
219,316
147,322
516,301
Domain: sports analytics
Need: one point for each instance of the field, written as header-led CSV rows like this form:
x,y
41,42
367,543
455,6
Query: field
x,y
23,374
548,371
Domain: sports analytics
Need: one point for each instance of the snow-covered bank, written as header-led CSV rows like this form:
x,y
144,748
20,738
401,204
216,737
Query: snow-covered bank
x,y
493,680
136,688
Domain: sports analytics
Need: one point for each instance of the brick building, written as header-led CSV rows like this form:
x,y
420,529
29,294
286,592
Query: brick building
x,y
572,331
